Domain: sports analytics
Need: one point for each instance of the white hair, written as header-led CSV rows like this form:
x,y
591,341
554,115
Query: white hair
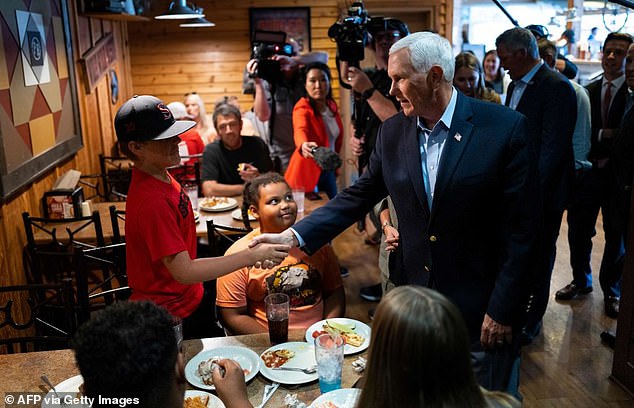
x,y
427,49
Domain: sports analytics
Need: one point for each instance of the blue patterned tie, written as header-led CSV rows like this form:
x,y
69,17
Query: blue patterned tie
x,y
423,156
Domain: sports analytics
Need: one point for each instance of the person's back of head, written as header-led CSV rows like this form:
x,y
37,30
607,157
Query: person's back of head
x,y
547,51
179,111
427,49
518,38
419,354
129,350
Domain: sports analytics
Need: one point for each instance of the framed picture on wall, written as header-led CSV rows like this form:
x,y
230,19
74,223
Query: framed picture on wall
x,y
39,117
294,21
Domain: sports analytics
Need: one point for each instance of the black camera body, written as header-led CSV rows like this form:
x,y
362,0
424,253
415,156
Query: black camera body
x,y
265,45
351,34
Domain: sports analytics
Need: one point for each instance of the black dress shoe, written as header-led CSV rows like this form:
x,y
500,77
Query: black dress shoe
x,y
371,293
609,338
612,306
571,291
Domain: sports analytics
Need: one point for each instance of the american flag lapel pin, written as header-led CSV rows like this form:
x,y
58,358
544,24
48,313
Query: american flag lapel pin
x,y
458,137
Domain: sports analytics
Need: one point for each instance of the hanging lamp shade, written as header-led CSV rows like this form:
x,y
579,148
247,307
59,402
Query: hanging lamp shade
x,y
178,10
197,22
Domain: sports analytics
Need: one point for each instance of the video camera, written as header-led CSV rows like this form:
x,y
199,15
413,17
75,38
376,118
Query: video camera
x,y
266,44
351,34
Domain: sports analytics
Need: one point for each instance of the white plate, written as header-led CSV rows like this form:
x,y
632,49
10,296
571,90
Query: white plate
x,y
304,357
342,398
360,328
69,385
247,359
214,402
225,206
237,215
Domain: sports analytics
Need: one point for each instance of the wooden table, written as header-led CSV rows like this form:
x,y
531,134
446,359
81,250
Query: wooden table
x,y
21,372
221,218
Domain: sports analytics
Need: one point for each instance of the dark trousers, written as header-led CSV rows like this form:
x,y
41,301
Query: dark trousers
x,y
545,251
592,193
203,322
328,183
499,369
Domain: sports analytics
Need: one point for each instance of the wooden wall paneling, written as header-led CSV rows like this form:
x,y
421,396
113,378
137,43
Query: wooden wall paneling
x,y
96,115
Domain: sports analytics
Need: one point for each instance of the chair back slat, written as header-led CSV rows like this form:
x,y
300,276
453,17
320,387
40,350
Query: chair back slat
x,y
109,263
37,331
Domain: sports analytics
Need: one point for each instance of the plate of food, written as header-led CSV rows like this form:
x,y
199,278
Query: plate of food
x,y
237,215
216,204
341,398
198,369
356,334
295,354
69,386
201,399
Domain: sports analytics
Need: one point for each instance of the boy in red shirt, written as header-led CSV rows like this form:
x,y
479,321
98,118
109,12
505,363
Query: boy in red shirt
x,y
160,227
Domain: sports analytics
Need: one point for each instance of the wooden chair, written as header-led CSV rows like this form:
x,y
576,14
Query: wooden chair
x,y
115,217
41,329
116,173
221,237
188,174
51,260
108,262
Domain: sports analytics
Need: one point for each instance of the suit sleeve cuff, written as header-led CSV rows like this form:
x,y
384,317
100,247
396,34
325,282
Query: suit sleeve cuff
x,y
299,238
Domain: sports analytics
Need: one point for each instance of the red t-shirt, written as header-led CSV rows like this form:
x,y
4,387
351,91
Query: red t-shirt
x,y
159,223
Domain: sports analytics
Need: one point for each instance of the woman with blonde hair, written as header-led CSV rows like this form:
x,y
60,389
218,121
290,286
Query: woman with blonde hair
x,y
469,78
196,109
420,356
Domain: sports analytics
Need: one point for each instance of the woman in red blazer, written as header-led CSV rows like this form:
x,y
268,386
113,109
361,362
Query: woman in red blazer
x,y
316,123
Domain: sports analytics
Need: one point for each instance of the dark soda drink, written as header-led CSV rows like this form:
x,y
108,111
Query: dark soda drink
x,y
278,330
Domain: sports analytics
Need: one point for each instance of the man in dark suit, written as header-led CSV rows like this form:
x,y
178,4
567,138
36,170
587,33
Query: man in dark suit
x,y
462,178
607,102
549,102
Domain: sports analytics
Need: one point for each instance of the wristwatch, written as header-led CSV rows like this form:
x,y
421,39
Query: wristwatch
x,y
367,94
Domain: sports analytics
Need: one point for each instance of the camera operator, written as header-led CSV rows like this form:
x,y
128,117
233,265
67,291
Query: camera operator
x,y
372,105
283,92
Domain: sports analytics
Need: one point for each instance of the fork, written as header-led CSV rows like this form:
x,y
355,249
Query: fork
x,y
309,370
48,382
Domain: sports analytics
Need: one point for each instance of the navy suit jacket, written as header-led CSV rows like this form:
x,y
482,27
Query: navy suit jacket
x,y
474,244
550,104
602,149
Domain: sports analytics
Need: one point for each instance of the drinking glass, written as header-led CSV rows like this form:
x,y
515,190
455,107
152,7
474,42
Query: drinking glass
x,y
329,357
177,324
277,308
298,197
192,193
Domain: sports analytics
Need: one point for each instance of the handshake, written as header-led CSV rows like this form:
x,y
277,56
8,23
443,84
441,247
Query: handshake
x,y
271,249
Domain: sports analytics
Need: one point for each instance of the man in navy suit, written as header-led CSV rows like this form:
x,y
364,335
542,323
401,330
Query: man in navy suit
x,y
593,185
548,100
462,176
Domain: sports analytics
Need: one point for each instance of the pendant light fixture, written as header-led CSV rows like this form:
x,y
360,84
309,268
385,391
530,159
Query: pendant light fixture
x,y
198,22
179,10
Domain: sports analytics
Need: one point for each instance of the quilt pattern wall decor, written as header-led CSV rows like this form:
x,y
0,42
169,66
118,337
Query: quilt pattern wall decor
x,y
39,120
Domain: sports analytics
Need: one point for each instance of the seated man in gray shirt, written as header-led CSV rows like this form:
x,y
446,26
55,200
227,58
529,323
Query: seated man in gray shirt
x,y
233,160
